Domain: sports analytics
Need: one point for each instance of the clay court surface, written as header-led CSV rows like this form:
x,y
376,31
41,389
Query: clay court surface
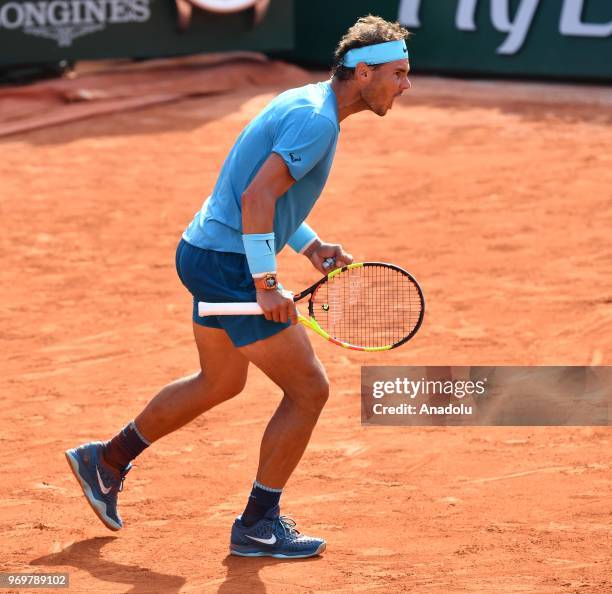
x,y
495,195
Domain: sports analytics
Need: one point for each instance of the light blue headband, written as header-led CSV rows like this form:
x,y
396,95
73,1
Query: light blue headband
x,y
379,53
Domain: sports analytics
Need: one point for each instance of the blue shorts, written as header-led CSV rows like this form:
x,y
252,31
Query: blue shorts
x,y
223,277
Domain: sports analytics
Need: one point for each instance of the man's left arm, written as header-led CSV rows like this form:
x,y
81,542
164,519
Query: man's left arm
x,y
305,138
305,241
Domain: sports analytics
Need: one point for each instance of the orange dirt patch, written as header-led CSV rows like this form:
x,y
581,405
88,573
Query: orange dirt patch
x,y
496,196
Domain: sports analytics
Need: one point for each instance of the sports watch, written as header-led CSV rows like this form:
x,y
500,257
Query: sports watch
x,y
266,283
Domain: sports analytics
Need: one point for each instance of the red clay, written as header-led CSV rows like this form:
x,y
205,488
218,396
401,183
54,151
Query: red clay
x,y
495,196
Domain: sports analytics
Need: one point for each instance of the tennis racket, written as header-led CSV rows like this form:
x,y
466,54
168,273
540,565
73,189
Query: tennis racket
x,y
365,306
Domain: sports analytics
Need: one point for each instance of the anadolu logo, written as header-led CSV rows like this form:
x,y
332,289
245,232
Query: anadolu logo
x,y
65,20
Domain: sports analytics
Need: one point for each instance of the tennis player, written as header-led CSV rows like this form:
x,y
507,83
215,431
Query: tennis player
x,y
268,184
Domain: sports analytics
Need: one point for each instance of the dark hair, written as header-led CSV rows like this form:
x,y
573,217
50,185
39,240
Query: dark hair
x,y
368,30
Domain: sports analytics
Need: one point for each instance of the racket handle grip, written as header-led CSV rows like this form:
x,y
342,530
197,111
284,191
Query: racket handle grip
x,y
228,309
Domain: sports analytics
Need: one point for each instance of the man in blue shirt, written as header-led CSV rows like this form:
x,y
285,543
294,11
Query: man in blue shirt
x,y
269,182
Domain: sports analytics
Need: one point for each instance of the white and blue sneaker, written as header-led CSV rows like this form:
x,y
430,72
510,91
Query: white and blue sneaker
x,y
273,536
99,482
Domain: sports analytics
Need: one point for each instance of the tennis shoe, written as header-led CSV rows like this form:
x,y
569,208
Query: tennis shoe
x,y
100,483
273,536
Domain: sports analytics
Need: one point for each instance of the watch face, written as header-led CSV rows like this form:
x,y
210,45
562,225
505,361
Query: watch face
x,y
270,282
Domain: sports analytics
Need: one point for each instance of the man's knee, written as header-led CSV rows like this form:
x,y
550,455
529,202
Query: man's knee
x,y
220,389
312,393
320,393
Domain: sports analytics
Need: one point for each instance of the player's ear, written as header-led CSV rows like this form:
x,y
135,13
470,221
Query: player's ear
x,y
362,73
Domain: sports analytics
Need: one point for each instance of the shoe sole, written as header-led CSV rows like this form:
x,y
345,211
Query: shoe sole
x,y
321,548
74,466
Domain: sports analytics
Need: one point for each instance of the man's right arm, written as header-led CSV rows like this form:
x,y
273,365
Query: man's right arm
x,y
259,199
258,207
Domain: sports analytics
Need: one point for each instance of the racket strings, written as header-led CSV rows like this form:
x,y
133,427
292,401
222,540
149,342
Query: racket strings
x,y
369,306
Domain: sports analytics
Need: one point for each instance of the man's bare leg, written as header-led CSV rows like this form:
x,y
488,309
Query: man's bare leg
x,y
101,467
222,376
287,359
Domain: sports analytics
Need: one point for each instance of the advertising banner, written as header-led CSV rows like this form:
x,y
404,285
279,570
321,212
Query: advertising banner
x,y
560,39
33,31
